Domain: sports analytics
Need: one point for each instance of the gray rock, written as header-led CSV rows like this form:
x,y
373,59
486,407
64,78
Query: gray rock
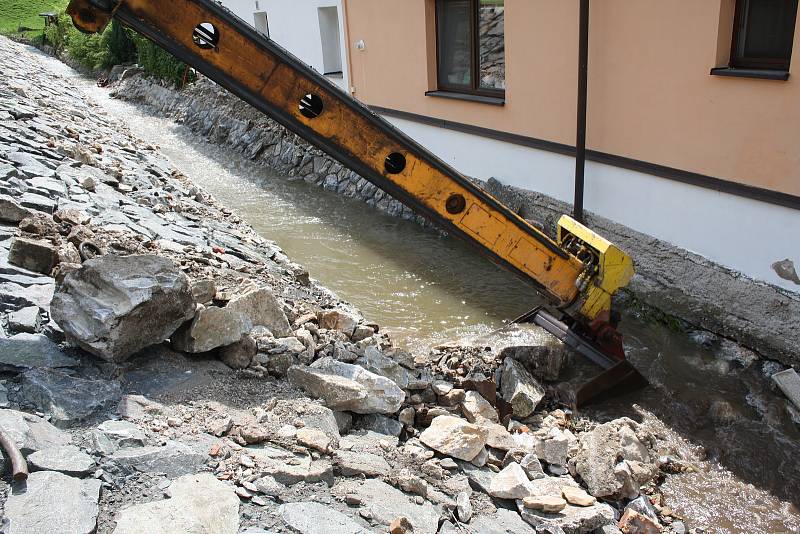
x,y
278,365
464,507
501,522
173,459
198,503
346,387
510,483
28,351
570,520
121,434
339,319
240,354
380,424
475,408
38,202
385,504
68,459
31,433
115,306
532,466
204,290
519,388
375,362
344,421
642,505
603,460
34,255
65,398
544,362
11,211
454,437
361,463
27,320
789,382
15,295
316,518
211,328
480,479
54,502
262,309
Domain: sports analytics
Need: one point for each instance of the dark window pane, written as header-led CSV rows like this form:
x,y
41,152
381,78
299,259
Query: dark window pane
x,y
492,42
455,50
767,28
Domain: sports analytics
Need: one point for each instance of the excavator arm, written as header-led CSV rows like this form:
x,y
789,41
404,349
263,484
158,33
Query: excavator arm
x,y
578,273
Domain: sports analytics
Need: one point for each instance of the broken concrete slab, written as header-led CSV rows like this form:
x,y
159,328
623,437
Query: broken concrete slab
x,y
198,503
53,502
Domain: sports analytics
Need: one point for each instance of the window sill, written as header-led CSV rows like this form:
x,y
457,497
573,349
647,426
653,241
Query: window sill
x,y
491,100
761,74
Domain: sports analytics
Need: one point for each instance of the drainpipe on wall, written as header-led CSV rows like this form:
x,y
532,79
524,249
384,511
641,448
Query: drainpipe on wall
x,y
583,82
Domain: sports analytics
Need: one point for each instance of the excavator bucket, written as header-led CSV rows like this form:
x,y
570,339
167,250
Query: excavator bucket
x,y
619,375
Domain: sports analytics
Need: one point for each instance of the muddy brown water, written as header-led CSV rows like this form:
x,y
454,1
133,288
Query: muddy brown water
x,y
427,289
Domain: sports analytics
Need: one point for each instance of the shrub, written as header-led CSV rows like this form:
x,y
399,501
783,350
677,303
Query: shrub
x,y
56,35
120,46
159,63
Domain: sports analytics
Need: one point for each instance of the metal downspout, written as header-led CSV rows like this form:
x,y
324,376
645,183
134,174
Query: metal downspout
x,y
580,143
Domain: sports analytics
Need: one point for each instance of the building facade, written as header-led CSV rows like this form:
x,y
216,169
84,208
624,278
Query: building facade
x,y
693,113
313,30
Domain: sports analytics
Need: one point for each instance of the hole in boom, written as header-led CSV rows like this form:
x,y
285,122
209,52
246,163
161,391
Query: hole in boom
x,y
456,204
395,163
205,36
311,106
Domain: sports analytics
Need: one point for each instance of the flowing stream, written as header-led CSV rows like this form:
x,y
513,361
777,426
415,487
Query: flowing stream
x,y
426,289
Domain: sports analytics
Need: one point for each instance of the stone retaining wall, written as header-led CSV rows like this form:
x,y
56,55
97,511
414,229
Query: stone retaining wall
x,y
669,280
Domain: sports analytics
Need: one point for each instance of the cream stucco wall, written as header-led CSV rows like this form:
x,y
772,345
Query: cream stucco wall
x,y
651,96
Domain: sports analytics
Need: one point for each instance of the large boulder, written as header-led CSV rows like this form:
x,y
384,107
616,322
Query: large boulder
x,y
213,327
114,306
197,503
346,387
455,437
53,502
613,461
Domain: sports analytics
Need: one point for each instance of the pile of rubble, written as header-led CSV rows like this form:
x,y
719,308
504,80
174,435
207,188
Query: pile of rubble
x,y
165,369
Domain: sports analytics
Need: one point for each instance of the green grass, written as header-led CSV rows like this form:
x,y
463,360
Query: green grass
x,y
16,13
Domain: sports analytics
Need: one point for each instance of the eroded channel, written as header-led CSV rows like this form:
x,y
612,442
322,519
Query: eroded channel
x,y
426,289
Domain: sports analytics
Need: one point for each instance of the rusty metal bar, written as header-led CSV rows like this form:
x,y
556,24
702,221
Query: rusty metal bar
x,y
19,466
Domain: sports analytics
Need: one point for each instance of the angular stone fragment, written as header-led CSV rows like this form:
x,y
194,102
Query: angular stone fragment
x,y
532,466
571,519
546,503
316,518
11,211
386,503
346,387
31,433
544,362
510,483
198,503
454,437
339,319
632,522
374,361
68,459
67,399
27,320
173,459
214,327
314,439
123,434
519,388
34,255
28,351
603,457
239,355
475,407
114,306
789,382
53,502
361,463
381,424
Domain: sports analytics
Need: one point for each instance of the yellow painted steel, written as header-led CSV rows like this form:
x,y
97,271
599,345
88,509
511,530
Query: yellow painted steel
x,y
567,280
615,268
